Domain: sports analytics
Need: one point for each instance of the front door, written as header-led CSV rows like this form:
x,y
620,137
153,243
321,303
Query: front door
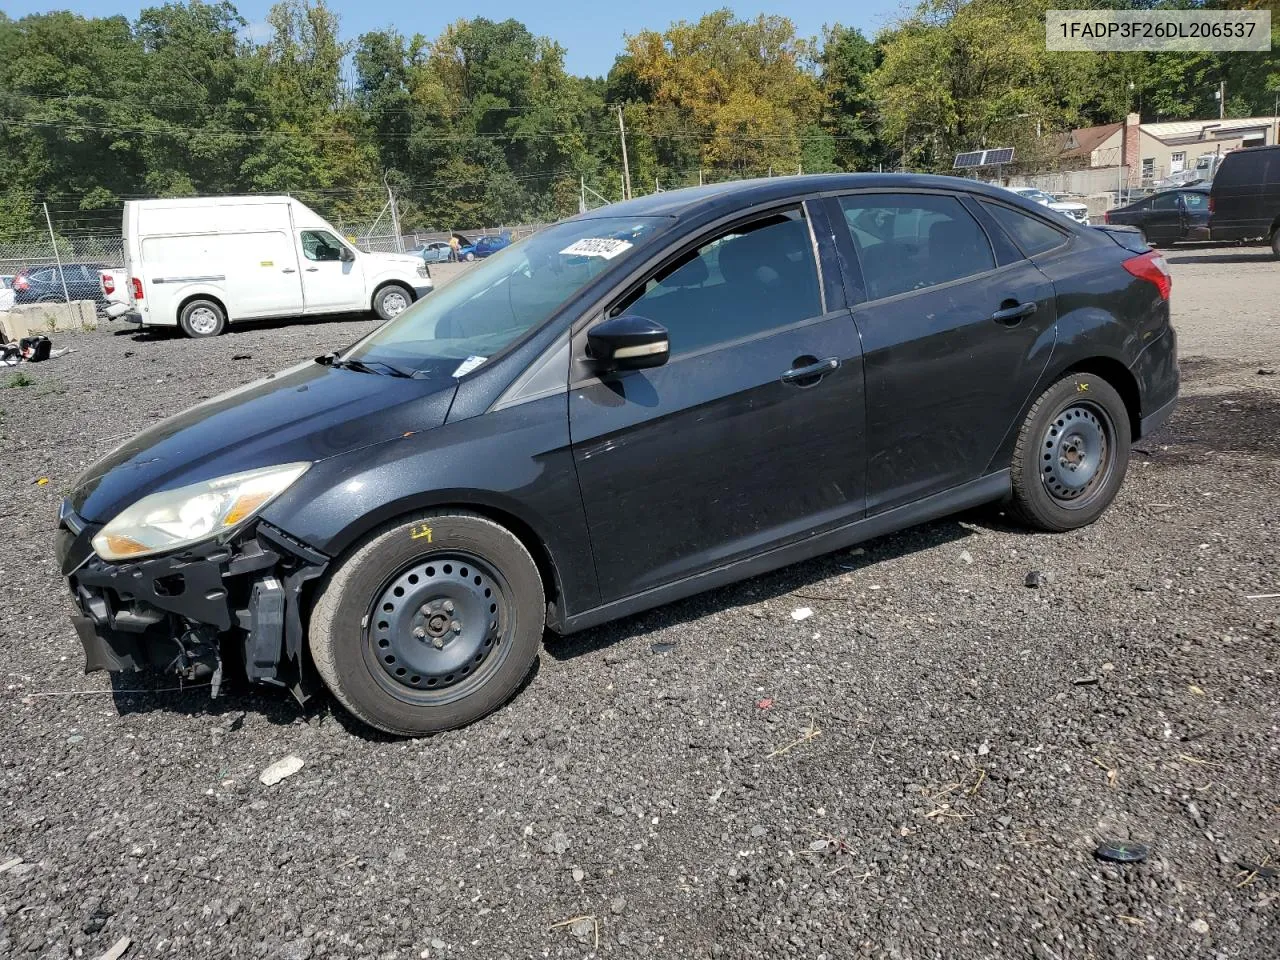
x,y
952,341
730,448
1163,224
329,283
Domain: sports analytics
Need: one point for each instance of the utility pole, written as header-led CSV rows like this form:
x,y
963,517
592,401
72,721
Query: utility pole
x,y
57,257
699,176
1222,99
395,215
626,170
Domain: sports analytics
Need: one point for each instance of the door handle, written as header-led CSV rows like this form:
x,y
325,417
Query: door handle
x,y
288,270
313,269
811,371
1011,316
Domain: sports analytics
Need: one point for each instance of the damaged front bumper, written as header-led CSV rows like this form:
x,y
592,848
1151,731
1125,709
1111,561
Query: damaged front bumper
x,y
189,612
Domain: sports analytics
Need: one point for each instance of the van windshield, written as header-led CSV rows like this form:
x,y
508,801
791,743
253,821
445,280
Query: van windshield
x,y
455,329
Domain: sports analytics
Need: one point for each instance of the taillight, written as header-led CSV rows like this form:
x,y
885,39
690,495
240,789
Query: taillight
x,y
1106,217
108,283
137,288
20,282
1152,268
1211,203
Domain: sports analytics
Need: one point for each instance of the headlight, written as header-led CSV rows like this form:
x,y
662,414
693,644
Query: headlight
x,y
176,518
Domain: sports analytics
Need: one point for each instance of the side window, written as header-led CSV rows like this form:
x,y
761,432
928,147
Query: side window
x,y
1031,234
44,276
1165,201
911,241
320,245
756,277
1195,201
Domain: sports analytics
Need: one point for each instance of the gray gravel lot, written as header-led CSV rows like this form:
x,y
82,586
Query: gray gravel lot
x,y
921,769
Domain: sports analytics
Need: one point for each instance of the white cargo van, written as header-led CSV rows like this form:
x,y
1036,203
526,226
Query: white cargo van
x,y
202,262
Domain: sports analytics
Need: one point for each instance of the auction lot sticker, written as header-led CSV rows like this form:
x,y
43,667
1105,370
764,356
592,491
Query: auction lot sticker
x,y
1190,30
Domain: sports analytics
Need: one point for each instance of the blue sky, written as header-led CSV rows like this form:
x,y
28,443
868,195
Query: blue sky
x,y
590,31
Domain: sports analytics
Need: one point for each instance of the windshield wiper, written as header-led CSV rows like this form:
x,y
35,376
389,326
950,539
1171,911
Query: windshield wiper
x,y
361,366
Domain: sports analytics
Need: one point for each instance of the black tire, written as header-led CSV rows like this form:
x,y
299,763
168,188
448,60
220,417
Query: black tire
x,y
1071,455
469,257
407,681
391,301
202,318
1275,243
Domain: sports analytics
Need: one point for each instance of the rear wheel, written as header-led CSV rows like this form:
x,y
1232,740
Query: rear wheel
x,y
430,624
1275,242
202,318
1071,455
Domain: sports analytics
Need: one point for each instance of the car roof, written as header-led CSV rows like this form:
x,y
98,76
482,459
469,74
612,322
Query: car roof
x,y
738,194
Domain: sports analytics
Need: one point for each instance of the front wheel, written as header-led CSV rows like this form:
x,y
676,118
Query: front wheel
x,y
429,625
470,257
391,301
1071,455
1275,243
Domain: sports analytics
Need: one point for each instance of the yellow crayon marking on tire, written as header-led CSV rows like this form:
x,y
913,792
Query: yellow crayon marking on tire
x,y
1082,387
420,532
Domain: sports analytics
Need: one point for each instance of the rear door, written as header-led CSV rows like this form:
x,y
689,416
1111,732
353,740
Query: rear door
x,y
723,452
1163,223
1237,196
329,283
957,326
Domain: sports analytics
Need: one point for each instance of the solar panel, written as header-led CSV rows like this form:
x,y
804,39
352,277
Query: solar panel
x,y
992,157
972,159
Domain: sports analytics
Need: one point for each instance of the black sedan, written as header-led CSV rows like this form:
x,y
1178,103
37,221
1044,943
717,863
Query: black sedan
x,y
1167,217
631,406
44,283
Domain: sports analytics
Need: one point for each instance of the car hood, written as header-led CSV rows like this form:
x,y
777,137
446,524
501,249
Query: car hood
x,y
308,412
410,260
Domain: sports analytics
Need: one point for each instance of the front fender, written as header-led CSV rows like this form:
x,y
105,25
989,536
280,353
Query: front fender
x,y
515,463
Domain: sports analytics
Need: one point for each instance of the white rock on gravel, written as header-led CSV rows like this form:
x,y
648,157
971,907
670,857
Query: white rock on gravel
x,y
281,769
801,613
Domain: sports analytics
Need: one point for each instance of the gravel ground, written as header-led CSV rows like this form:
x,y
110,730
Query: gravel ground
x,y
920,769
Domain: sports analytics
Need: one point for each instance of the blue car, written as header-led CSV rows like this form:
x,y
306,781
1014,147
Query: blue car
x,y
484,247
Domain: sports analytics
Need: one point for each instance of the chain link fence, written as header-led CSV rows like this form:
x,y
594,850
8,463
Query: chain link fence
x,y
97,250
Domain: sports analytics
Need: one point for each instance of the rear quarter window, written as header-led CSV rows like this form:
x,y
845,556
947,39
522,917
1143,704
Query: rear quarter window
x,y
1031,234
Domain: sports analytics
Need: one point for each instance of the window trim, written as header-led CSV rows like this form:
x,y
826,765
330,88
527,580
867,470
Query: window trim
x,y
846,235
700,239
1067,236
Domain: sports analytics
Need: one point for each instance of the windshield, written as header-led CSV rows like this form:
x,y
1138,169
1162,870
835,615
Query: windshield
x,y
454,330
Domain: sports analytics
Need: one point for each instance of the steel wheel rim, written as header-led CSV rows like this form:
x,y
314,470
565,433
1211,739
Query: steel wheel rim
x,y
439,628
202,320
1076,454
394,303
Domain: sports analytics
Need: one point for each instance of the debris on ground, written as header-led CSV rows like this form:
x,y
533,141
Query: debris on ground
x,y
966,557
1033,579
1122,851
1199,926
281,769
801,613
663,646
117,949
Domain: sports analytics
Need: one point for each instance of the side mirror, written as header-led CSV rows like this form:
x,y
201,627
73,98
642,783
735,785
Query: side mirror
x,y
628,343
345,255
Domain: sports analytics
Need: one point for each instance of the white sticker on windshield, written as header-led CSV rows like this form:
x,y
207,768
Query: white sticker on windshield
x,y
467,365
604,247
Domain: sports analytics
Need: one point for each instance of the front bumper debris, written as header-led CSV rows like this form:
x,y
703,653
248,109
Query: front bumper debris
x,y
190,612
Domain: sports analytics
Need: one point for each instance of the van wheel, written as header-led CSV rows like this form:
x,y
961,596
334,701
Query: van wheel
x,y
1275,243
1071,455
429,625
202,318
391,301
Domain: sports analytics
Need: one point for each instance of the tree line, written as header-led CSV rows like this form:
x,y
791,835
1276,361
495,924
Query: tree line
x,y
484,125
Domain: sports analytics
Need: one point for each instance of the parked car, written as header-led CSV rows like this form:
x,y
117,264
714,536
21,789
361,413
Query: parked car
x,y
484,247
1167,217
199,263
43,284
1244,203
435,252
640,403
1074,209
